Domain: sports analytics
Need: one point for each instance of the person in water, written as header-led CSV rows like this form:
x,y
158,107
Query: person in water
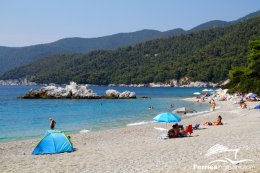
x,y
150,107
52,123
213,104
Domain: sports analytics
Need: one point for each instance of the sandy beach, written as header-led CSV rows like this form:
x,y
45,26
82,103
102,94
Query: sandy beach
x,y
138,148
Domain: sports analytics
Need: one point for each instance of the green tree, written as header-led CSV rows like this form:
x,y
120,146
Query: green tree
x,y
247,79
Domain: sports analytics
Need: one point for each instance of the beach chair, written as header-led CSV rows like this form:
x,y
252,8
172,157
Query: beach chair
x,y
180,127
186,131
196,127
189,129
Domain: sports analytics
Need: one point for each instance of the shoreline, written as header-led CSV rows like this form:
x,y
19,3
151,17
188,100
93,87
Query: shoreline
x,y
138,148
86,131
132,122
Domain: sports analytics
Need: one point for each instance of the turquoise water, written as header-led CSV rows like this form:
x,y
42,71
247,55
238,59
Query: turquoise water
x,y
29,118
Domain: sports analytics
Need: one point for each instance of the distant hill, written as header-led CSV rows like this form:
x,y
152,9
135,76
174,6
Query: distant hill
x,y
221,24
210,25
11,57
16,56
205,55
251,15
74,45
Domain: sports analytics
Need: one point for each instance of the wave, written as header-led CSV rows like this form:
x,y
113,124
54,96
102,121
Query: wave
x,y
139,123
201,112
84,131
197,113
217,107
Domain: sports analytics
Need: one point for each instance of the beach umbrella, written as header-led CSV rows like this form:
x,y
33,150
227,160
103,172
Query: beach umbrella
x,y
196,93
257,107
253,95
248,95
205,90
184,109
225,91
167,117
218,90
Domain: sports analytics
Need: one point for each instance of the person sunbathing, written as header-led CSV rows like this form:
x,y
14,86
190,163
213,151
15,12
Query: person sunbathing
x,y
243,105
215,123
174,131
171,134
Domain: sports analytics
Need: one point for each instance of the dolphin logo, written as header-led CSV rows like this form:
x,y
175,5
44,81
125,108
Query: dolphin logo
x,y
216,149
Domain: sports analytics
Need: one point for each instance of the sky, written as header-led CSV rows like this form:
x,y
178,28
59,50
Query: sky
x,y
29,22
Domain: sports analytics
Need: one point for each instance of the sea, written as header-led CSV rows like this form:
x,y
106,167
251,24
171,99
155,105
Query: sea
x,y
29,118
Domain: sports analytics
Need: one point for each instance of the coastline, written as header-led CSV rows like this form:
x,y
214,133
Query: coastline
x,y
170,83
138,148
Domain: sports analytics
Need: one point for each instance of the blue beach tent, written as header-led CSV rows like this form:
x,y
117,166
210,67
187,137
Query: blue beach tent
x,y
53,142
257,107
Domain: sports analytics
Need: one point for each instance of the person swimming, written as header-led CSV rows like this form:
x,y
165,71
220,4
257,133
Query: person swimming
x,y
52,123
150,107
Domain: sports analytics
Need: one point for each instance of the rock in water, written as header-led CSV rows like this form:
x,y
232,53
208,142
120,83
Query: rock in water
x,y
114,94
72,91
75,91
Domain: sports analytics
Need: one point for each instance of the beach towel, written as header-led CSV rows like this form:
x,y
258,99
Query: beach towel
x,y
196,127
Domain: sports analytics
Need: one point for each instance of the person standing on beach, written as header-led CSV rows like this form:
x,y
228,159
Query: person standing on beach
x,y
52,123
213,104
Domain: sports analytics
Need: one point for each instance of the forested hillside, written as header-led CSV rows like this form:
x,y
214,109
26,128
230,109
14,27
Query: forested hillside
x,y
247,79
206,56
11,57
14,57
